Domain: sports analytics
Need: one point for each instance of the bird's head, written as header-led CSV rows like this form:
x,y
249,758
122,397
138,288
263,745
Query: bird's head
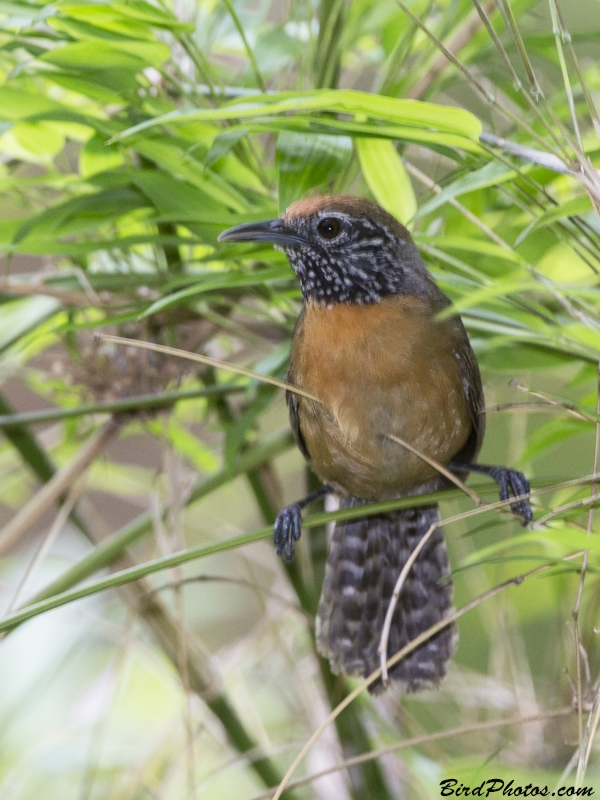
x,y
343,249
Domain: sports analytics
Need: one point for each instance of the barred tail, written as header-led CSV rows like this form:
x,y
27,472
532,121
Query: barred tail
x,y
365,560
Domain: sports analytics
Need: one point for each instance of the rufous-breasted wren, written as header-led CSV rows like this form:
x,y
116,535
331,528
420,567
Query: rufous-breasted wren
x,y
371,345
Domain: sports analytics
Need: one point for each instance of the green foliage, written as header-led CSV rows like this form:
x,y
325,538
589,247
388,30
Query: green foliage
x,y
131,135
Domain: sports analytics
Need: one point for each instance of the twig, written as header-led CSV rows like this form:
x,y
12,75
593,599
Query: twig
x,y
547,398
483,13
588,741
535,88
586,501
584,87
152,402
235,582
547,160
168,562
418,740
511,24
21,288
572,763
468,28
559,37
431,184
51,536
60,591
542,406
582,764
487,96
57,485
406,650
387,623
440,468
213,362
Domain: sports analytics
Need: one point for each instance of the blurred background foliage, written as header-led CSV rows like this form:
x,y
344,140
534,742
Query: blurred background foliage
x,y
131,134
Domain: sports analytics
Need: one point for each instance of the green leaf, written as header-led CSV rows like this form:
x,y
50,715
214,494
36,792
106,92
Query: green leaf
x,y
17,317
508,358
491,174
552,433
386,177
180,163
478,296
220,280
96,157
571,208
326,124
223,143
413,112
106,91
27,446
564,536
76,215
17,104
36,140
306,161
111,30
470,244
236,432
92,56
157,17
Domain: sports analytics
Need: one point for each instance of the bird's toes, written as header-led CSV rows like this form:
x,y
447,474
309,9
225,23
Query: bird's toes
x,y
514,484
520,485
286,532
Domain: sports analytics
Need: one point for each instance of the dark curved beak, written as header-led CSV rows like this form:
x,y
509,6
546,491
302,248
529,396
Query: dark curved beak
x,y
271,230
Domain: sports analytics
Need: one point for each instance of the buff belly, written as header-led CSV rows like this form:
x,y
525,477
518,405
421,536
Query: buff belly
x,y
382,370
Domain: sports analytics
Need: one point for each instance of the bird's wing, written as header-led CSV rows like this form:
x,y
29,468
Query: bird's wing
x,y
294,412
473,389
292,399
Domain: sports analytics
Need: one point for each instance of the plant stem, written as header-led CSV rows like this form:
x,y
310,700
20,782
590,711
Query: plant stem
x,y
110,549
328,54
11,422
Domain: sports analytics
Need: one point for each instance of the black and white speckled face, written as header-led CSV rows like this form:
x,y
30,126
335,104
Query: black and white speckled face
x,y
344,250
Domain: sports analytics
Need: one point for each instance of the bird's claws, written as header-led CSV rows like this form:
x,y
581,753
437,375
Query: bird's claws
x,y
513,484
286,532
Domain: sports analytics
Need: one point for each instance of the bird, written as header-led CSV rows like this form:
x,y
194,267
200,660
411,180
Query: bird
x,y
374,356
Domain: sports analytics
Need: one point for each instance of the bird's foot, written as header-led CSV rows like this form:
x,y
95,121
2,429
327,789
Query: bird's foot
x,y
286,531
511,483
288,524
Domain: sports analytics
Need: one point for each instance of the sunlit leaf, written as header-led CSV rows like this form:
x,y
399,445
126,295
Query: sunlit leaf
x,y
571,208
490,175
91,56
386,177
452,120
305,162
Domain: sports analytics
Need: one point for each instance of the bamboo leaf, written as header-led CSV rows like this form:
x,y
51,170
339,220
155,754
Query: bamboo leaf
x,y
414,112
222,280
306,161
387,178
91,56
490,175
571,208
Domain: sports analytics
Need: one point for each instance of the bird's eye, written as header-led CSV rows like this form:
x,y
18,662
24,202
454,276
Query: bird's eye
x,y
329,228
